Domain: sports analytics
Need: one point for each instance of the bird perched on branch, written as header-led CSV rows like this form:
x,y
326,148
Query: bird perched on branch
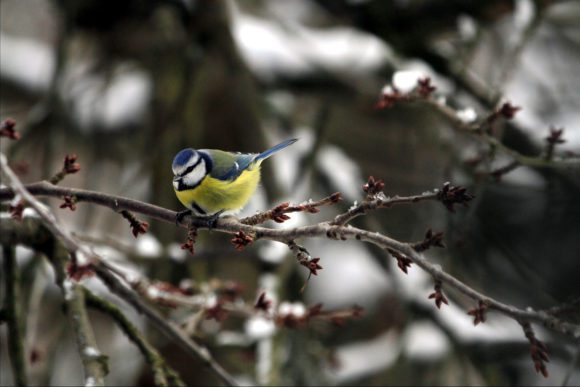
x,y
210,182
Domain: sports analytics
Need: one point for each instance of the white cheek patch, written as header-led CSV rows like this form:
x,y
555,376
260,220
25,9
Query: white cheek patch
x,y
196,176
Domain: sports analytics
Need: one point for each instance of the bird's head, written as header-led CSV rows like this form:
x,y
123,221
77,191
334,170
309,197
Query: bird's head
x,y
189,169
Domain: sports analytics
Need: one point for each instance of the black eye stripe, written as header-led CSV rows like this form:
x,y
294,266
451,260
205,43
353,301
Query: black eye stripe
x,y
191,168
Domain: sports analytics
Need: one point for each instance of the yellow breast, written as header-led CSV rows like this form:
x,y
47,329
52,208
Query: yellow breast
x,y
214,195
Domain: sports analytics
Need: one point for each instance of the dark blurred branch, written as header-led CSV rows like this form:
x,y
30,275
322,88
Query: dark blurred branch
x,y
411,28
11,313
94,362
163,375
483,130
512,58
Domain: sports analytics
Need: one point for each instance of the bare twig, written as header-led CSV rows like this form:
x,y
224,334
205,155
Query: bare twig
x,y
478,129
380,202
278,213
69,167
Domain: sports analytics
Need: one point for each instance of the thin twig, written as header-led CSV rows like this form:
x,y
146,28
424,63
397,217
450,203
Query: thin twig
x,y
380,202
476,130
278,213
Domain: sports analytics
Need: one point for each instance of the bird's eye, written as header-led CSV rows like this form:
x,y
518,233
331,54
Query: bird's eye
x,y
189,169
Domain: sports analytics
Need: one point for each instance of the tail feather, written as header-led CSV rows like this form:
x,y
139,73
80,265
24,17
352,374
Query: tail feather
x,y
276,148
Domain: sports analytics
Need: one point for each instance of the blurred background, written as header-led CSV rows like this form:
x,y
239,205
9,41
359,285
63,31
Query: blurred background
x,y
126,85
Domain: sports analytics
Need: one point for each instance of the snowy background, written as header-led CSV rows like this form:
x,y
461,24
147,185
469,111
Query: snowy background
x,y
127,86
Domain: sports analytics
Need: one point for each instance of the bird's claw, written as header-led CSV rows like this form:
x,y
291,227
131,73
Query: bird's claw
x,y
212,220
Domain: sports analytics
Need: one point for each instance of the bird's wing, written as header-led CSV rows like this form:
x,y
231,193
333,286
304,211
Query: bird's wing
x,y
227,165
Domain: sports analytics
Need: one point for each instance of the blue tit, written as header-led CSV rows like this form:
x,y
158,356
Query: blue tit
x,y
210,182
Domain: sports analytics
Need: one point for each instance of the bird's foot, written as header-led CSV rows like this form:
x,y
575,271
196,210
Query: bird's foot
x,y
182,214
212,220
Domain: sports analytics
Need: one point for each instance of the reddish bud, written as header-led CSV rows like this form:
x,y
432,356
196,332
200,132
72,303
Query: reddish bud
x,y
425,88
538,350
69,202
137,226
312,265
216,312
508,111
7,129
555,136
70,164
450,195
262,303
335,197
241,240
16,210
231,291
432,239
438,295
373,187
478,313
78,272
315,310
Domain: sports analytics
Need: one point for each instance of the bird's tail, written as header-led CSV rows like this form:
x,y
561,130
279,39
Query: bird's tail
x,y
264,155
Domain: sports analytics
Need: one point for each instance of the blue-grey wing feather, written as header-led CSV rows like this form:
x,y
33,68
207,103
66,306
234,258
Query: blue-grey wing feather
x,y
228,166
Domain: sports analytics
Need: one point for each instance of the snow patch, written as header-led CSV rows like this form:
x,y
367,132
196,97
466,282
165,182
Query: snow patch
x,y
406,81
467,115
259,328
148,246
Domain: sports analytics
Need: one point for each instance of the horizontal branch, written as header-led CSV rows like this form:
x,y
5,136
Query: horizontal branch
x,y
115,203
337,229
232,225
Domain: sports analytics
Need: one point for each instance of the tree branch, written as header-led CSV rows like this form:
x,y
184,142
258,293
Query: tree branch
x,y
13,317
94,362
232,225
163,375
449,196
103,270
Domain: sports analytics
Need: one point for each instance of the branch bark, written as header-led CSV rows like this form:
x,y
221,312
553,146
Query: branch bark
x,y
13,316
163,375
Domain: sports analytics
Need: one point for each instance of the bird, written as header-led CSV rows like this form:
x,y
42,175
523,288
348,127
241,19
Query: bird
x,y
212,182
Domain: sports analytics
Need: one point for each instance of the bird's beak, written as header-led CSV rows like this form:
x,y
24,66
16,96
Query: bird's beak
x,y
176,178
